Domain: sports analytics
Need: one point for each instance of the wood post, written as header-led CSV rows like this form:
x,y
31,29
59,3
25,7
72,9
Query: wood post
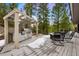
x,y
16,30
6,31
37,28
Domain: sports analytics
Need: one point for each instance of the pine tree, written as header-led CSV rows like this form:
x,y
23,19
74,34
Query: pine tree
x,y
57,13
35,9
43,18
11,6
28,8
65,23
3,12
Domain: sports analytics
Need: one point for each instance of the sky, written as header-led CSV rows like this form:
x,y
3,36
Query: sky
x,y
21,5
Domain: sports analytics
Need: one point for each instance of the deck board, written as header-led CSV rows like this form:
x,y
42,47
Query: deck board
x,y
77,46
69,50
74,47
65,50
49,49
57,50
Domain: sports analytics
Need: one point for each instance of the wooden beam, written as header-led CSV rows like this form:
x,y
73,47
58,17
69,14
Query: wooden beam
x,y
16,30
11,13
26,16
36,28
6,30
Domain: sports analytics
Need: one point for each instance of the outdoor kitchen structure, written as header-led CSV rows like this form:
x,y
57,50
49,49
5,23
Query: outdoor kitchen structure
x,y
17,17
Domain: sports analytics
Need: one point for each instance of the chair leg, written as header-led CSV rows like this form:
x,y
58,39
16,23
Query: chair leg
x,y
58,43
1,49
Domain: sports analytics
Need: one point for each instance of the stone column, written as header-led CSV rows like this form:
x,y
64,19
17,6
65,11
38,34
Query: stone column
x,y
6,30
16,30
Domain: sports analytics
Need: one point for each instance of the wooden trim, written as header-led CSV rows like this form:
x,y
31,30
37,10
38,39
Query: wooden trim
x,y
11,13
16,30
6,31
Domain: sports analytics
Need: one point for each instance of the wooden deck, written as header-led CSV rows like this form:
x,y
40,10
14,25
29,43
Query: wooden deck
x,y
70,48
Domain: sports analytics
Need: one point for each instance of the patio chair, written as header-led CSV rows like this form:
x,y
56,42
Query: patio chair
x,y
57,37
69,36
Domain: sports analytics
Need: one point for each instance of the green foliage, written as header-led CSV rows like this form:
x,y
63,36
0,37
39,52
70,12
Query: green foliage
x,y
72,26
43,18
61,19
2,12
4,9
51,28
64,22
35,9
40,10
57,12
34,29
28,8
10,7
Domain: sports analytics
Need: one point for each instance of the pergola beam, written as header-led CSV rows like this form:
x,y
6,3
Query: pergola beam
x,y
6,30
37,28
16,30
11,13
15,12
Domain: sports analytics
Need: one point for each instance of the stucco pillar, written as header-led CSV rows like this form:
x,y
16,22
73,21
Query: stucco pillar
x,y
16,30
6,30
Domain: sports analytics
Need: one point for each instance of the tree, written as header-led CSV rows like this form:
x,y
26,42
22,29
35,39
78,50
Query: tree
x,y
28,9
65,23
35,9
57,12
4,9
10,7
43,18
2,12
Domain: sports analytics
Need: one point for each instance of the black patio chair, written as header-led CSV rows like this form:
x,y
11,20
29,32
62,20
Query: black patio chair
x,y
57,37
